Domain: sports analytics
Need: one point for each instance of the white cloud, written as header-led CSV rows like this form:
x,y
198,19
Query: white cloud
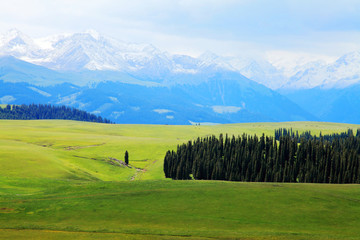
x,y
226,109
114,99
116,114
162,111
228,27
135,108
7,99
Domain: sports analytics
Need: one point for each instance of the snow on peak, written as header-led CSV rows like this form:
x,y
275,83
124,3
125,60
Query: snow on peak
x,y
292,62
15,43
13,33
93,51
208,56
93,33
344,72
47,43
210,59
349,58
13,38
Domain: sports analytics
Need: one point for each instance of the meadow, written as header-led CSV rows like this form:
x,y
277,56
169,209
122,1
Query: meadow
x,y
59,180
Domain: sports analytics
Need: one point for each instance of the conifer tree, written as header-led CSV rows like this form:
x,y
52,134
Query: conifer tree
x,y
331,158
126,157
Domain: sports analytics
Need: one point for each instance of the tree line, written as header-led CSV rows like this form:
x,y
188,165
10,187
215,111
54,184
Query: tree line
x,y
47,111
265,159
307,134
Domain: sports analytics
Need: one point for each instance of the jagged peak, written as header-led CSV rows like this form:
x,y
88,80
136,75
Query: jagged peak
x,y
350,57
95,34
14,33
208,55
92,50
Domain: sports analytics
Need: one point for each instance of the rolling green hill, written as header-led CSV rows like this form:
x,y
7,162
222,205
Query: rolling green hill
x,y
60,180
82,150
157,209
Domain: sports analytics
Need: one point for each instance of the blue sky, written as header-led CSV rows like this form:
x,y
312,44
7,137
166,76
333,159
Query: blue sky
x,y
228,27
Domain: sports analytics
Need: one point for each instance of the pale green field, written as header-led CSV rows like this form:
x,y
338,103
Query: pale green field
x,y
81,150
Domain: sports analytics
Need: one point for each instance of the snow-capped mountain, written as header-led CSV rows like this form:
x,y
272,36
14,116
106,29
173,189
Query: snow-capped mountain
x,y
19,45
88,50
134,83
342,73
304,76
83,51
226,97
260,71
92,51
130,82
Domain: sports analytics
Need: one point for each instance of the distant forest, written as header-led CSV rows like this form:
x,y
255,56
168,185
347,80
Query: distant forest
x,y
307,134
287,157
44,111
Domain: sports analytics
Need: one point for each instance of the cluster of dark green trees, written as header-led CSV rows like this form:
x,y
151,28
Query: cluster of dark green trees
x,y
265,159
44,111
281,132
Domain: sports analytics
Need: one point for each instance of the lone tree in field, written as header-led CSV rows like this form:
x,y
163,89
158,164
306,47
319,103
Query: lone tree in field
x,y
126,157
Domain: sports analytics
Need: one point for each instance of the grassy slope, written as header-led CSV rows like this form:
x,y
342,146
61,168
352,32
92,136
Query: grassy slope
x,y
44,188
164,209
80,150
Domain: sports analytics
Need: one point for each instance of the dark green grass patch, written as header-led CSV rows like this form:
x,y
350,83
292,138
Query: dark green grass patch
x,y
191,209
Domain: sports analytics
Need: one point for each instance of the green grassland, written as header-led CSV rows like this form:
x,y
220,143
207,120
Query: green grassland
x,y
82,150
58,180
157,209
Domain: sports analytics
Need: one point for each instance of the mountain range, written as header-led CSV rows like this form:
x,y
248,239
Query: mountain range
x,y
138,83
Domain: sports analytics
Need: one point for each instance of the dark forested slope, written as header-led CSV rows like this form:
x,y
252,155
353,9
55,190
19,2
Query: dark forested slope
x,y
44,111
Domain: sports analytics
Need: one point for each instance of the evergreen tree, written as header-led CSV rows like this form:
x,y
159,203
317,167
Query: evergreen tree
x,y
326,159
126,157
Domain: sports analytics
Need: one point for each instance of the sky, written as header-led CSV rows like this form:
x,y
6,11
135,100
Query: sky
x,y
272,28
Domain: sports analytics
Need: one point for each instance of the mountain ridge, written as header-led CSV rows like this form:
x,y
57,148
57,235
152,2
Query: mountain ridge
x,y
209,88
219,97
90,50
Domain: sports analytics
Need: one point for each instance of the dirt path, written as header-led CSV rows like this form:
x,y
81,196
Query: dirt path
x,y
50,197
138,170
115,234
142,171
69,148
